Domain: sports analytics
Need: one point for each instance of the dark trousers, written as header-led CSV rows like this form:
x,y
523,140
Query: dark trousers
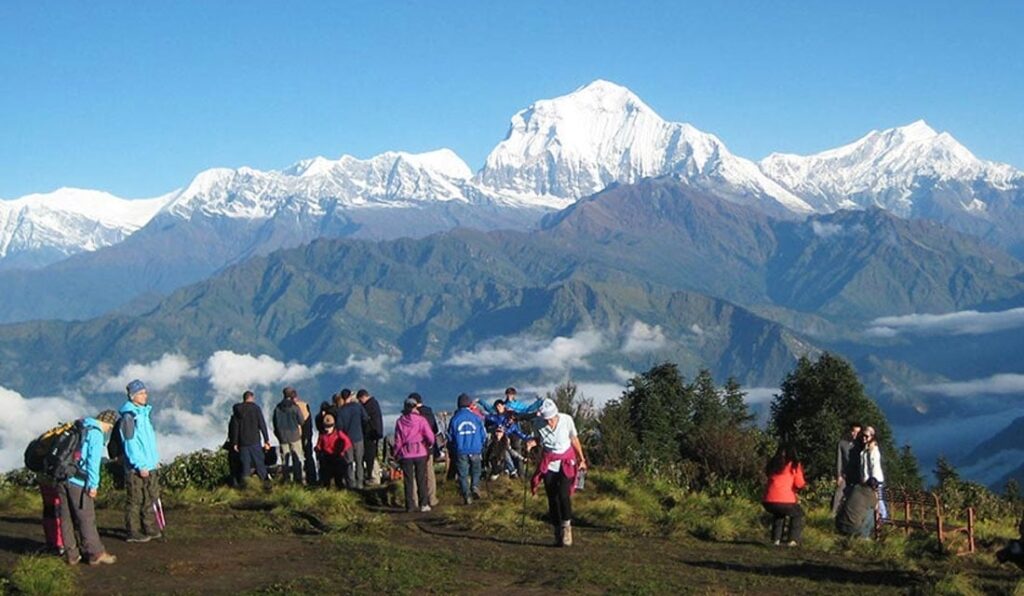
x,y
251,456
369,457
310,469
140,517
414,470
781,511
334,470
557,485
78,515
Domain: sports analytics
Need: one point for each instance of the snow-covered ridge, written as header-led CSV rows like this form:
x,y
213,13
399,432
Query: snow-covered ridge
x,y
560,149
41,228
882,167
392,179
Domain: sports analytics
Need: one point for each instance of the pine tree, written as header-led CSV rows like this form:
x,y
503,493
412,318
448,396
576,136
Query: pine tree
x,y
946,474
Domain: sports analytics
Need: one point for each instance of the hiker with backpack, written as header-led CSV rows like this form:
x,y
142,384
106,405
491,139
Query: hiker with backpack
x,y
467,436
349,419
785,477
137,438
373,432
249,439
503,428
288,430
413,442
78,478
561,463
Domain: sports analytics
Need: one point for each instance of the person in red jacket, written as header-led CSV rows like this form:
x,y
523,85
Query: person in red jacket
x,y
331,446
785,477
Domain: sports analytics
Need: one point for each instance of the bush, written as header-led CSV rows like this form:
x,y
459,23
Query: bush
x,y
202,469
43,575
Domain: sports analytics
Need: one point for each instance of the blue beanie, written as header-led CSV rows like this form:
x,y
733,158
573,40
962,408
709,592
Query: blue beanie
x,y
135,387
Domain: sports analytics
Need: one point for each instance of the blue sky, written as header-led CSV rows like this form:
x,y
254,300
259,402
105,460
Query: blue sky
x,y
136,98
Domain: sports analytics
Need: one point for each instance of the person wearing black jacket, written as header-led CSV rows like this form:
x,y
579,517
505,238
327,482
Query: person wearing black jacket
x,y
350,419
247,427
373,432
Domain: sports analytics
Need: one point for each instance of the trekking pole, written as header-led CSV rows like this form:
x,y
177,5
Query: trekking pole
x,y
526,483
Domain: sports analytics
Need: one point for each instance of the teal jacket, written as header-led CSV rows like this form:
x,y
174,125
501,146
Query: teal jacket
x,y
93,449
138,437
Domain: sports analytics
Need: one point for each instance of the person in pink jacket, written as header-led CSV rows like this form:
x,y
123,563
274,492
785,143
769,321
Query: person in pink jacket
x,y
413,438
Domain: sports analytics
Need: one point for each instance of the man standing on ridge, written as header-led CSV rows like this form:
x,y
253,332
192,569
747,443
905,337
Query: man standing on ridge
x,y
373,432
466,432
140,462
307,441
247,429
847,465
78,495
288,430
350,419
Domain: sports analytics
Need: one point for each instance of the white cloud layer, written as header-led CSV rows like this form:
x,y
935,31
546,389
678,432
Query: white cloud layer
x,y
23,419
1002,384
523,353
965,322
642,338
158,375
230,374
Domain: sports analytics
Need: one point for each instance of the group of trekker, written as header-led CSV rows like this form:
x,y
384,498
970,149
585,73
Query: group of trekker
x,y
69,513
350,428
858,497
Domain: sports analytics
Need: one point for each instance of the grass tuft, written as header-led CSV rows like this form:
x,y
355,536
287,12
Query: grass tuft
x,y
41,575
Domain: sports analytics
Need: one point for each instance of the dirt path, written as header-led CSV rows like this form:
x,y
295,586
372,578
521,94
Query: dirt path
x,y
226,551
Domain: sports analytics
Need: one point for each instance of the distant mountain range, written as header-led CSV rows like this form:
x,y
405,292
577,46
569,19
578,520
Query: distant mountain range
x,y
555,152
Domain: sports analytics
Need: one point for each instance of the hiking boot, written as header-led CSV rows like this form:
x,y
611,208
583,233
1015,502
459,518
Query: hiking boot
x,y
156,536
494,477
476,493
139,538
567,534
468,500
792,543
75,560
425,509
104,559
777,543
558,536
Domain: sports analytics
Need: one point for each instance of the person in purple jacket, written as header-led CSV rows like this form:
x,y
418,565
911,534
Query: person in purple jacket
x,y
413,439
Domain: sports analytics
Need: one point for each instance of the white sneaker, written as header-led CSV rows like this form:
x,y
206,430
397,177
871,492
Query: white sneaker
x,y
425,508
494,477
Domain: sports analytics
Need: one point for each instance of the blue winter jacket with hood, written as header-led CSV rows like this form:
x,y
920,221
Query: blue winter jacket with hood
x,y
139,437
93,443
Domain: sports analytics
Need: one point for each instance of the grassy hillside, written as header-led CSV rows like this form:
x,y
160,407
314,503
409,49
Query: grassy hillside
x,y
632,538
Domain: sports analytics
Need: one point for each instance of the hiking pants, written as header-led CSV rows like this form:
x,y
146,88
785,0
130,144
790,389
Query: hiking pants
x,y
333,469
369,461
292,459
51,515
468,465
78,515
414,471
781,511
431,486
310,468
354,459
556,485
140,517
251,456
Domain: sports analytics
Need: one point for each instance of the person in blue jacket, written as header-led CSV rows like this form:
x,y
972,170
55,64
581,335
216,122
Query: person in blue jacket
x,y
503,426
140,462
467,436
519,408
78,495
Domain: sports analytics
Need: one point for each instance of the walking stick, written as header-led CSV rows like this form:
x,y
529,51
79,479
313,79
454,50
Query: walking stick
x,y
526,484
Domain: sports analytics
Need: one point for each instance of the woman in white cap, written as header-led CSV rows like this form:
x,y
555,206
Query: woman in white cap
x,y
561,460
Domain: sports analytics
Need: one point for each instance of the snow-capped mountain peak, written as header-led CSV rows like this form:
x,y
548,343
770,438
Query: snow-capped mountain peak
x,y
560,149
391,179
882,168
40,228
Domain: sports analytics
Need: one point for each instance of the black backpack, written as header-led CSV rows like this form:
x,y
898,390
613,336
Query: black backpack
x,y
64,452
41,445
115,447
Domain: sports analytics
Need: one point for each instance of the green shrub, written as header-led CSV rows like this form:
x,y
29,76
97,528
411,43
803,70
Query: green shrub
x,y
201,469
48,576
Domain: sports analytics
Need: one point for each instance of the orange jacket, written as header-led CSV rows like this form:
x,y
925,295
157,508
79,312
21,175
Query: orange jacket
x,y
782,487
